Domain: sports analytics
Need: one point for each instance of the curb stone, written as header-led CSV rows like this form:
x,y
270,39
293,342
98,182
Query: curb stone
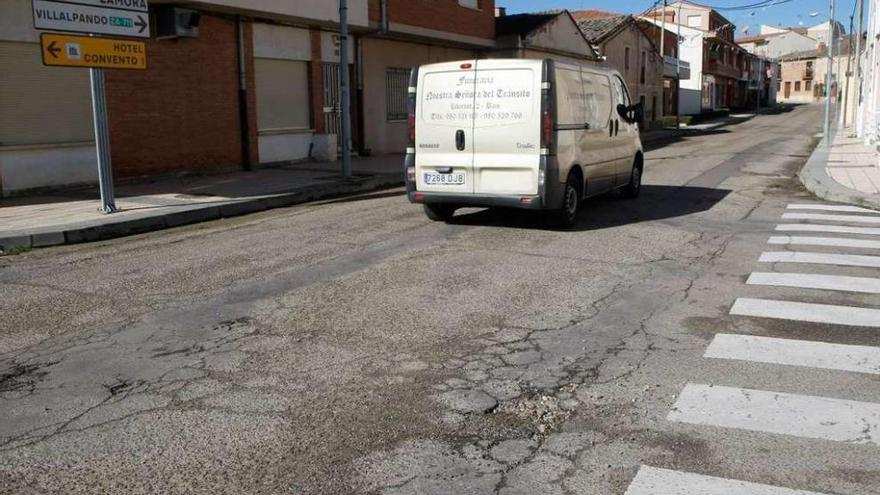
x,y
89,233
814,176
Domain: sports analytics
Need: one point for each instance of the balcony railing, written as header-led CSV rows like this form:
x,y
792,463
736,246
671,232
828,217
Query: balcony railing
x,y
712,66
673,67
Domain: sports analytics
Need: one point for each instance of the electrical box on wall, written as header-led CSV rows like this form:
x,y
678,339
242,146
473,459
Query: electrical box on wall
x,y
173,22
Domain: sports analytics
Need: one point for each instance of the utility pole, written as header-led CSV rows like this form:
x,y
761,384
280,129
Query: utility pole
x,y
344,89
662,53
663,34
827,127
858,73
678,68
848,69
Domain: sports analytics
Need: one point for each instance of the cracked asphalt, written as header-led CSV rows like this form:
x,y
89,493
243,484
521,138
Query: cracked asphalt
x,y
353,346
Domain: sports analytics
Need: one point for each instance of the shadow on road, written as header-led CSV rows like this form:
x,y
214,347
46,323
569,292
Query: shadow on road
x,y
674,136
364,197
655,203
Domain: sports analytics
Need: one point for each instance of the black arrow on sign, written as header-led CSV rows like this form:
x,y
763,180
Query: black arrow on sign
x,y
142,24
53,50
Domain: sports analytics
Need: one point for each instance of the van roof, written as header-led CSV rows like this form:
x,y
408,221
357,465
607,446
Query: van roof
x,y
520,62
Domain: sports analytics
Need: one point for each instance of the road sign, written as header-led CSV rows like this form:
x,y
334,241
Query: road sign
x,y
139,5
81,18
69,50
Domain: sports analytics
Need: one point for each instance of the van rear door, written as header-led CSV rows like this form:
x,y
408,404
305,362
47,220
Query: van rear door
x,y
507,127
445,127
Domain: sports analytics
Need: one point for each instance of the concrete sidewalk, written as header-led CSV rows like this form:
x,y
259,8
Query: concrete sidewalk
x,y
847,171
72,217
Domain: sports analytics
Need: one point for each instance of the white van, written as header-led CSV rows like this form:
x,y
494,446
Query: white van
x,y
537,134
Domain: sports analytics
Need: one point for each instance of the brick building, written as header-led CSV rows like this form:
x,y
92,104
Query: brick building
x,y
256,84
720,68
632,46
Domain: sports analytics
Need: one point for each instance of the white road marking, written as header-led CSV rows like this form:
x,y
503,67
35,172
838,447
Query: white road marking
x,y
831,217
820,258
865,285
851,209
776,412
656,481
810,354
816,313
825,241
838,229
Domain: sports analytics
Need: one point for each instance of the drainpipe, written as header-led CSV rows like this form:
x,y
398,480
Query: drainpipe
x,y
359,93
359,75
244,122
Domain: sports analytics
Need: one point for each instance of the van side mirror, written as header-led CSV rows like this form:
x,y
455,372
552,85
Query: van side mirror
x,y
633,113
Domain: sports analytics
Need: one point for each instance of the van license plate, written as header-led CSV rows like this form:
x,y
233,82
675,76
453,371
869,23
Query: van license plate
x,y
444,179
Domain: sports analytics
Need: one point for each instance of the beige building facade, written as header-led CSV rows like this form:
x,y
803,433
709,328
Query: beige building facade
x,y
625,47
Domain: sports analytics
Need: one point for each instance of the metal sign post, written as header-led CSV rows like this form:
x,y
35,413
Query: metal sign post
x,y
102,141
95,17
344,90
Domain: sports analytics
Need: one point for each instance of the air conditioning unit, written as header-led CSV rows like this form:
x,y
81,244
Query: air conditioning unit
x,y
173,22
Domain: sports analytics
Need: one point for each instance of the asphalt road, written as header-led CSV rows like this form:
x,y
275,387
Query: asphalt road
x,y
353,346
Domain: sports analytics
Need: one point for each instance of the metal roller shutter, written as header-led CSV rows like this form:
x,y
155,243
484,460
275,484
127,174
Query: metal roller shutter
x,y
41,105
282,88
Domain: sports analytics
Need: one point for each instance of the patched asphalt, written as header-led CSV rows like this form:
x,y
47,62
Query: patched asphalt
x,y
356,347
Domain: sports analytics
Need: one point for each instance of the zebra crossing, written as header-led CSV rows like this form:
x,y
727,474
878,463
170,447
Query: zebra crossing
x,y
838,228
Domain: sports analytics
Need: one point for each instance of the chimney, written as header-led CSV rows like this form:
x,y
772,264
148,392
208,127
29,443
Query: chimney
x,y
500,11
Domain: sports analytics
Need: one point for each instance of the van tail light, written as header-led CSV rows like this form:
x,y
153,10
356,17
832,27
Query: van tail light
x,y
546,128
411,107
546,118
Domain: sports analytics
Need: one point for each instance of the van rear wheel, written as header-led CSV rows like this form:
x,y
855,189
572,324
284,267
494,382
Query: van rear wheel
x,y
571,201
631,190
439,212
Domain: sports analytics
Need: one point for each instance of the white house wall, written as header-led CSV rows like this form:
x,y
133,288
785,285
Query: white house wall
x,y
560,34
691,51
783,44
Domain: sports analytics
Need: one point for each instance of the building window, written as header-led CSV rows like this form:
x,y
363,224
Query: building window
x,y
695,21
797,85
642,70
396,86
808,85
626,58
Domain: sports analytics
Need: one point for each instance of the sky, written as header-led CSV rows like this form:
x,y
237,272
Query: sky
x,y
791,13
